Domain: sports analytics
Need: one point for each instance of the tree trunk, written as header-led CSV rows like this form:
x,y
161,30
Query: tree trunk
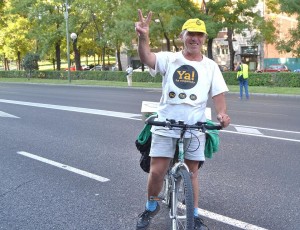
x,y
53,63
119,58
6,64
209,48
76,55
168,41
174,44
19,61
103,57
231,50
57,54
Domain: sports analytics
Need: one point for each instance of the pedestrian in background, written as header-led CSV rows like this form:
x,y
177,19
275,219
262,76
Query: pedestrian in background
x,y
129,71
242,76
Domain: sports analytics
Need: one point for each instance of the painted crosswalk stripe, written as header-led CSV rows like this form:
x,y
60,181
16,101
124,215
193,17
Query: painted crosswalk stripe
x,y
228,220
63,166
261,136
2,114
247,130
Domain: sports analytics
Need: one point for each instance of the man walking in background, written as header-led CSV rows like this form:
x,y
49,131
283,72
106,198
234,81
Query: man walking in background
x,y
129,71
242,76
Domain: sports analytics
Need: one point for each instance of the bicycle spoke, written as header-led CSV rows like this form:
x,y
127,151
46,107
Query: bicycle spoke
x,y
184,206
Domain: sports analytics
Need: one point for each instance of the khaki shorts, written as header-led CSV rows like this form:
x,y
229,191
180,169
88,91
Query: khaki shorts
x,y
162,146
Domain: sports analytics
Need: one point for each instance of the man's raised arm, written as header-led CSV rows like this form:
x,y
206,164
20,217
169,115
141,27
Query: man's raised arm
x,y
142,29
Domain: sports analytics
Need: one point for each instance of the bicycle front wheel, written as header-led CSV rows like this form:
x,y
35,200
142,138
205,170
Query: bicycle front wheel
x,y
165,194
183,202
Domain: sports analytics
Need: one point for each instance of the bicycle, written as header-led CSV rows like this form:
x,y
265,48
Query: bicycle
x,y
177,191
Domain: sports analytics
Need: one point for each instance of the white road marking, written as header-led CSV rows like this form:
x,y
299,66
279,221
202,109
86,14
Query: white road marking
x,y
63,166
276,130
138,117
228,220
2,114
225,219
77,109
247,130
264,136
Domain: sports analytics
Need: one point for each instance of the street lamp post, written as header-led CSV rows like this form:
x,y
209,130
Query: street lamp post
x,y
73,36
66,14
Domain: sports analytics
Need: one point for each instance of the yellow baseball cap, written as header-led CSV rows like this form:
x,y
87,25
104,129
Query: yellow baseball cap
x,y
194,25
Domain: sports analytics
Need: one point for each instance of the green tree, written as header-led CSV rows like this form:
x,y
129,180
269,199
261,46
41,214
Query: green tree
x,y
30,63
14,40
236,16
2,25
48,29
291,7
103,27
45,28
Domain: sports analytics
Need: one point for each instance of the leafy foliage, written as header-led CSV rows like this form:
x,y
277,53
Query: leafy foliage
x,y
103,27
291,7
30,61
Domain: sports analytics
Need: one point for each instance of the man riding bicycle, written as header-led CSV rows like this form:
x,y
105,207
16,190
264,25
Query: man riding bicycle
x,y
188,78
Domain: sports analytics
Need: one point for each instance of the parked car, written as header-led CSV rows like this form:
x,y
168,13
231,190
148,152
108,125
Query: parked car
x,y
275,68
114,68
85,67
146,69
96,68
73,68
297,70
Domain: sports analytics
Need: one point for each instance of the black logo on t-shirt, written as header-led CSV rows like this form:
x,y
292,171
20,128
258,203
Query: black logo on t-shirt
x,y
185,77
182,95
172,94
193,97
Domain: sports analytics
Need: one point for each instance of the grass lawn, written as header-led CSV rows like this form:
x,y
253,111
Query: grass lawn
x,y
268,90
47,65
232,88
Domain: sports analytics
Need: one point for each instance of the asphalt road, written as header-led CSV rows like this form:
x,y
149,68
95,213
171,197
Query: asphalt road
x,y
68,161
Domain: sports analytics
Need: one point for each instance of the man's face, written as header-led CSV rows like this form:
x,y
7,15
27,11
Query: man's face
x,y
193,41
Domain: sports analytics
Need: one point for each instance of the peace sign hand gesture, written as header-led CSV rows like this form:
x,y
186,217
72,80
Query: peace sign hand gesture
x,y
142,26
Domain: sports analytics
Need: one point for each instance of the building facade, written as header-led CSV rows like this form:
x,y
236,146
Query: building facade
x,y
260,55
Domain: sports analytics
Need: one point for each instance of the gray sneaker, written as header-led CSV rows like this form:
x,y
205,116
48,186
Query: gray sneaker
x,y
145,217
198,224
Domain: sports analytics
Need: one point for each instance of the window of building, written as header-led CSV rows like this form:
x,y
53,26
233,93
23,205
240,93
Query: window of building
x,y
223,49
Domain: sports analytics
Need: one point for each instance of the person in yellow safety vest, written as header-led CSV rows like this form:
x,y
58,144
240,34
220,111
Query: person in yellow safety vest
x,y
242,75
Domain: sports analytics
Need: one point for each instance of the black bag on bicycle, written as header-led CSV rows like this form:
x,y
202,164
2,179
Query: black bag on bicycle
x,y
143,144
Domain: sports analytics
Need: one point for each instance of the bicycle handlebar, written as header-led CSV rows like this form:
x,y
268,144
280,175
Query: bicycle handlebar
x,y
180,124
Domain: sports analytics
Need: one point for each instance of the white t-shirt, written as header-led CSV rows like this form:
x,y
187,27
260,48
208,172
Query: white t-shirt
x,y
129,70
185,89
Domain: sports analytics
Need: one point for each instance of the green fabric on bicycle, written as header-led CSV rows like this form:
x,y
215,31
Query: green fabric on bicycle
x,y
212,141
144,134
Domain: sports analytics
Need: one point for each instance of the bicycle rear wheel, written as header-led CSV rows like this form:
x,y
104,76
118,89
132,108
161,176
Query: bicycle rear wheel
x,y
183,204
